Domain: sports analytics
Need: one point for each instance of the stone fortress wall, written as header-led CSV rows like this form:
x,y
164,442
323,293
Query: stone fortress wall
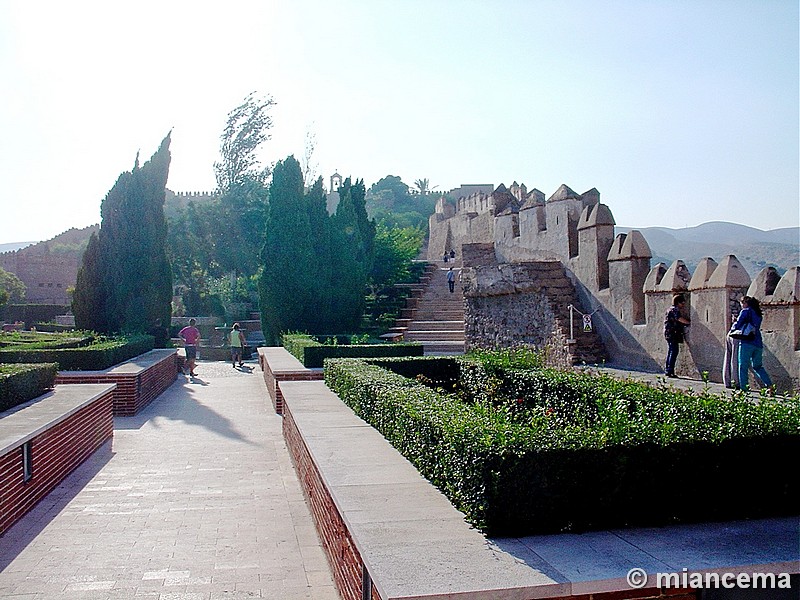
x,y
499,234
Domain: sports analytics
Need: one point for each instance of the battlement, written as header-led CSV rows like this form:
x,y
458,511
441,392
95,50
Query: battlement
x,y
615,280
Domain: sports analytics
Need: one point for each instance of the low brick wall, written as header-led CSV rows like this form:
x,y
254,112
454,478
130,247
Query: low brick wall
x,y
62,429
279,365
139,380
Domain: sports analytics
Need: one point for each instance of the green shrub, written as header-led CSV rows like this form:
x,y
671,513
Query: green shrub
x,y
102,353
312,353
539,450
20,383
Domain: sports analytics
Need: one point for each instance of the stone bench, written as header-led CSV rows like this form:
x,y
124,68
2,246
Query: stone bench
x,y
390,535
45,439
280,366
139,380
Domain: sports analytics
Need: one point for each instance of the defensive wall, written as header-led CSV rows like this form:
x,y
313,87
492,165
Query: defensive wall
x,y
496,233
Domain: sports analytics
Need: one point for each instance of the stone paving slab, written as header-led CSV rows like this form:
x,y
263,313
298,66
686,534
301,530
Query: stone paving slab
x,y
197,499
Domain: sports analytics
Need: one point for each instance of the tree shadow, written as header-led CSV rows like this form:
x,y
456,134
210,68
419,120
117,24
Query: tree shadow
x,y
178,403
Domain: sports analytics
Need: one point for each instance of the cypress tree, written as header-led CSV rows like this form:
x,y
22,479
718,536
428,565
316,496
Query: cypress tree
x,y
323,283
348,260
90,296
127,280
286,284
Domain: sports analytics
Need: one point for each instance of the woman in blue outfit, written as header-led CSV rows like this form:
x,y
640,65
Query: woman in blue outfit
x,y
751,351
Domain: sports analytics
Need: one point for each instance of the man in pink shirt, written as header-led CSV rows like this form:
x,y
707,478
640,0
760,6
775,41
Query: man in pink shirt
x,y
190,336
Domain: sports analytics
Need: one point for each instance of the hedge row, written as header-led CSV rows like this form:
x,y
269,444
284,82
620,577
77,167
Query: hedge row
x,y
29,340
540,451
313,354
20,383
101,354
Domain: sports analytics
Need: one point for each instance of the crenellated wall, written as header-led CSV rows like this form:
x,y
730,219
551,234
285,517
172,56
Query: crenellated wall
x,y
614,280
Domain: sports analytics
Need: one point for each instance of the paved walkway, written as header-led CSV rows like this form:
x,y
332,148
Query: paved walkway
x,y
195,500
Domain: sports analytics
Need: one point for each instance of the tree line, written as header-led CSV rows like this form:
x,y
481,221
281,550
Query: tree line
x,y
266,236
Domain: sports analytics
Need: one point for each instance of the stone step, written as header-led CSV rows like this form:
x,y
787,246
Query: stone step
x,y
438,325
434,336
443,347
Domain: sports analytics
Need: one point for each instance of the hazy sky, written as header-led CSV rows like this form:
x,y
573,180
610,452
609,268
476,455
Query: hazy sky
x,y
678,112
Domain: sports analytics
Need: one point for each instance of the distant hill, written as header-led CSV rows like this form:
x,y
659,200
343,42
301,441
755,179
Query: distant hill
x,y
755,248
14,246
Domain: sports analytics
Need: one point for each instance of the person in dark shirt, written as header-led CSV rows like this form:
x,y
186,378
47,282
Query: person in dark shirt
x,y
674,324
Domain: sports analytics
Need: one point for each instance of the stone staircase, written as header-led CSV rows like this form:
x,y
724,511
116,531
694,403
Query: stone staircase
x,y
587,347
433,316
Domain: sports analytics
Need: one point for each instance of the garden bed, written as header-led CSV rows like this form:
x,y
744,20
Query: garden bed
x,y
73,351
532,450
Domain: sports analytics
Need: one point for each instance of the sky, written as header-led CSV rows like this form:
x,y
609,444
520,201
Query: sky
x,y
679,112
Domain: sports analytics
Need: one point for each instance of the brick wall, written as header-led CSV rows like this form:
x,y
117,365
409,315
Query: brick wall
x,y
55,453
135,390
273,380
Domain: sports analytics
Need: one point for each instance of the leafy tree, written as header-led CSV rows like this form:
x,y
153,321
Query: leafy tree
x,y
395,248
390,200
210,240
11,288
126,280
247,128
286,285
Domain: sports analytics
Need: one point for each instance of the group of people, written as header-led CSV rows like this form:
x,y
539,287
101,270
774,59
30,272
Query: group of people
x,y
191,339
744,350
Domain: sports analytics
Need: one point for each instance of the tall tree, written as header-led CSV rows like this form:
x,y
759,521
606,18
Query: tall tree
x,y
353,246
126,278
247,128
286,284
241,213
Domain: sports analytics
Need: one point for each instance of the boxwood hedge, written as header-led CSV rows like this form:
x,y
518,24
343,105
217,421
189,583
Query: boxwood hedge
x,y
525,451
101,353
313,353
20,383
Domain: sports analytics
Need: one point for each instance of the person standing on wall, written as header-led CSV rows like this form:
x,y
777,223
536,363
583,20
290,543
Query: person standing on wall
x,y
751,346
236,339
451,280
191,337
674,332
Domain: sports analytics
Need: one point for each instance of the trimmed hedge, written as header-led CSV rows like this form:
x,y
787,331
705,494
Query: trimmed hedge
x,y
101,354
30,340
20,383
313,354
522,452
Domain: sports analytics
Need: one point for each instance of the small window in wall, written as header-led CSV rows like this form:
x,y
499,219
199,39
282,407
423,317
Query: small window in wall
x,y
27,462
708,316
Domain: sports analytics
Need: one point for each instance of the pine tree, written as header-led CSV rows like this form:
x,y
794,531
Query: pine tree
x,y
126,282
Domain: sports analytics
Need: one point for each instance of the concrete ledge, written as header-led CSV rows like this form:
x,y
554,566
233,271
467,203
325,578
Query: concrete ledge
x,y
56,432
139,380
279,366
382,524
